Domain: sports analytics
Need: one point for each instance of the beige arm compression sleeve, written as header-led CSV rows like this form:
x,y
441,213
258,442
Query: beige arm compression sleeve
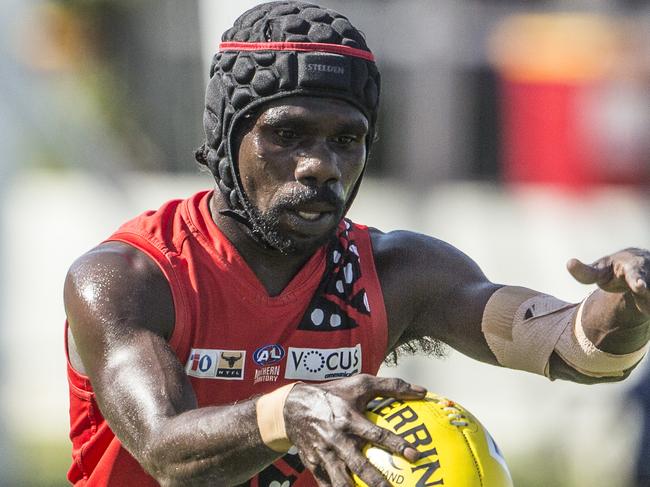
x,y
523,328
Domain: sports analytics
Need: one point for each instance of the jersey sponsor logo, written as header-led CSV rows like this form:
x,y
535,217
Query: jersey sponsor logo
x,y
216,364
267,374
268,355
323,363
268,358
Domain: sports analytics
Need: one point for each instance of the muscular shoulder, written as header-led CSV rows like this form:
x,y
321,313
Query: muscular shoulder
x,y
422,258
423,281
117,284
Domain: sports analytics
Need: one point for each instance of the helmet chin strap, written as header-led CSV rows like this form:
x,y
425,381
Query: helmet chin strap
x,y
244,217
238,215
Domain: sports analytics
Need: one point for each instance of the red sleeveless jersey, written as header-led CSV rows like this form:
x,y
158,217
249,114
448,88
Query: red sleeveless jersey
x,y
235,340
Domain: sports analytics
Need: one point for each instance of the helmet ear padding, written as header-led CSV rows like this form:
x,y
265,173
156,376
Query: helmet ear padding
x,y
242,80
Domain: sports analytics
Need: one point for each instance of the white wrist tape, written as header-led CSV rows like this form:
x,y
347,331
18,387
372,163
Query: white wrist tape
x,y
523,328
270,418
580,353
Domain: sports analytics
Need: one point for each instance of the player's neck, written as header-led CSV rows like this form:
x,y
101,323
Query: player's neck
x,y
274,269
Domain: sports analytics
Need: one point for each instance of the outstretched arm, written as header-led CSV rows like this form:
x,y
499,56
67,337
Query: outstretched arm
x,y
449,299
120,312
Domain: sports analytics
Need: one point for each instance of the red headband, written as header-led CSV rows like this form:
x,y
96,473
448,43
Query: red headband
x,y
297,46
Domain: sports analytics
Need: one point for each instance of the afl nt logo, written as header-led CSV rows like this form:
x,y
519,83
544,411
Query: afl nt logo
x,y
268,355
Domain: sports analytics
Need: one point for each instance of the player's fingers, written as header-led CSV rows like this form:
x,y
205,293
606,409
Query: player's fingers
x,y
321,477
317,470
631,275
372,387
335,468
643,303
364,469
641,294
384,438
624,277
598,272
636,280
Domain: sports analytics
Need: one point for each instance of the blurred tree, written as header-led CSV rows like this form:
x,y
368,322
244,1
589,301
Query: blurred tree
x,y
141,61
11,139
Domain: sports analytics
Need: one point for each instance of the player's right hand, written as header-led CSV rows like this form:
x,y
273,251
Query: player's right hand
x,y
627,271
326,422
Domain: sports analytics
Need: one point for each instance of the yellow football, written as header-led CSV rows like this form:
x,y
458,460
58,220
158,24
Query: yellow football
x,y
456,450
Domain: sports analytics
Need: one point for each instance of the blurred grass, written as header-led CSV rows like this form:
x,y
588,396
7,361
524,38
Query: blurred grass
x,y
40,463
548,466
542,467
45,464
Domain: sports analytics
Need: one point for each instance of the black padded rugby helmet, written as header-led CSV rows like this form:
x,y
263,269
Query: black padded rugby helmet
x,y
275,50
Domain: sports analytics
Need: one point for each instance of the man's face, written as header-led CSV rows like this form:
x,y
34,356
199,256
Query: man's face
x,y
298,165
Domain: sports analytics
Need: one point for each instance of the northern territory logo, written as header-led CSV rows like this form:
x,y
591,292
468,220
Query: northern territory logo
x,y
323,363
268,358
216,364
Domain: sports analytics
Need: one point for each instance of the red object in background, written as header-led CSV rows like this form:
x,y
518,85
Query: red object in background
x,y
545,138
540,134
573,114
